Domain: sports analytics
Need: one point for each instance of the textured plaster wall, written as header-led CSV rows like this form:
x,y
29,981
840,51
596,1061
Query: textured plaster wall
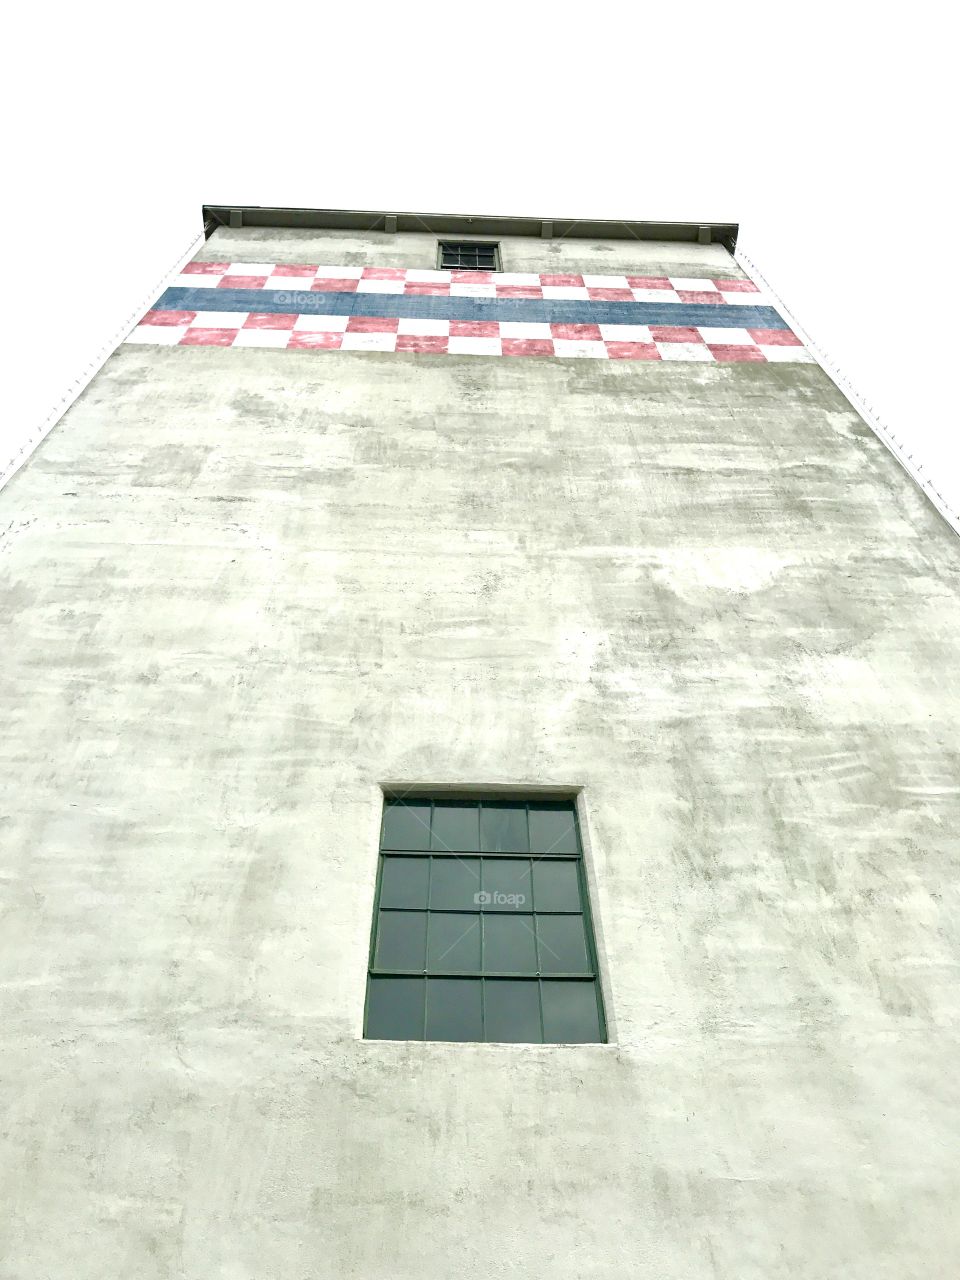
x,y
519,253
241,588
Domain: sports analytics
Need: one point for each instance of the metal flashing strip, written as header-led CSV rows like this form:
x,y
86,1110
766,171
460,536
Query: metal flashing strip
x,y
216,215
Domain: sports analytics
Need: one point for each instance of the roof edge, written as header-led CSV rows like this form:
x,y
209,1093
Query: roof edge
x,y
221,215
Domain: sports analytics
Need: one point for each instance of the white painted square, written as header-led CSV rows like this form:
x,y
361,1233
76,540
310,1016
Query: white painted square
x,y
746,299
788,355
474,347
339,273
518,277
726,337
579,347
250,269
314,323
195,282
684,351
606,282
428,277
698,286
158,335
430,328
262,338
380,286
369,342
473,291
625,333
219,319
654,295
565,291
289,283
517,329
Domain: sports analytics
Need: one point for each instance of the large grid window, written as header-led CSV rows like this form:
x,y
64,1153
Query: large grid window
x,y
469,255
482,925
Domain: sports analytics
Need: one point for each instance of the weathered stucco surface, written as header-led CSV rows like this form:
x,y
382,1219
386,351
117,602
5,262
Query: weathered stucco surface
x,y
520,253
240,589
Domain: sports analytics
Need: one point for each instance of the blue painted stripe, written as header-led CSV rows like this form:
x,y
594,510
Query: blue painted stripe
x,y
428,307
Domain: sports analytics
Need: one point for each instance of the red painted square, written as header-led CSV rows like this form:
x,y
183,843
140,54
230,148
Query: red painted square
x,y
673,333
775,337
474,329
297,269
609,295
208,337
372,324
574,282
422,342
205,268
472,277
384,273
736,286
696,295
632,351
577,332
649,282
519,291
728,354
242,282
334,286
431,290
527,347
308,340
169,318
268,320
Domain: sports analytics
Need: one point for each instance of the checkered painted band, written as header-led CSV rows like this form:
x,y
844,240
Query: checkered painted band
x,y
325,308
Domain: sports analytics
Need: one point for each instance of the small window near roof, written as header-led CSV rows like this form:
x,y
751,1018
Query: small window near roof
x,y
469,255
482,924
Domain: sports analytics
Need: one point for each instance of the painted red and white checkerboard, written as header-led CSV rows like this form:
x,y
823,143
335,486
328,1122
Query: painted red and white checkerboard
x,y
454,337
465,284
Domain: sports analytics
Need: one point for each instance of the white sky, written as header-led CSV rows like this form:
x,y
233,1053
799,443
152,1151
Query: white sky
x,y
826,130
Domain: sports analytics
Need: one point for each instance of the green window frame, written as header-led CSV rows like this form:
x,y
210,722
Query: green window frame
x,y
468,255
481,927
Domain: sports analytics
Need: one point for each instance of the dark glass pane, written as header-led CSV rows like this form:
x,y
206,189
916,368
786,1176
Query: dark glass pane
x,y
556,886
406,825
453,1009
570,1014
563,948
506,884
509,945
455,884
456,827
401,940
395,1008
404,882
453,943
511,1011
553,829
503,828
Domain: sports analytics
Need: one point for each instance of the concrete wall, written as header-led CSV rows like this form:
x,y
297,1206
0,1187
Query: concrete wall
x,y
241,588
519,253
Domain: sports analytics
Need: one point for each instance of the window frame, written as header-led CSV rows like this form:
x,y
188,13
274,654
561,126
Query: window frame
x,y
460,244
593,976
